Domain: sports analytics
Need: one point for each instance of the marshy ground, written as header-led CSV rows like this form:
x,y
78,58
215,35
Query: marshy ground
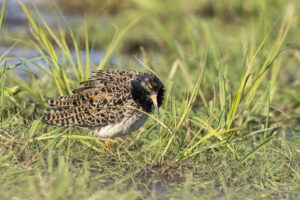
x,y
229,127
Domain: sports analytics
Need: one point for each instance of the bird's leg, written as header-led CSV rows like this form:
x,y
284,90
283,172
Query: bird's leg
x,y
107,145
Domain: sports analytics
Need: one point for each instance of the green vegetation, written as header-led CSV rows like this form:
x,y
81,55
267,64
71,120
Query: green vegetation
x,y
229,127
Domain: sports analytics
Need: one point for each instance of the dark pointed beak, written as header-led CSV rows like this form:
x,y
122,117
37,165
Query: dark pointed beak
x,y
154,99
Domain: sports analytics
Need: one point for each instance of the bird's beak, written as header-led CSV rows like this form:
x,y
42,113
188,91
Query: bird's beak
x,y
154,99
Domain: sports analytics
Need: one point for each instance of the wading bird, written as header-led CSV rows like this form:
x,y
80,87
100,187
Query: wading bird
x,y
111,103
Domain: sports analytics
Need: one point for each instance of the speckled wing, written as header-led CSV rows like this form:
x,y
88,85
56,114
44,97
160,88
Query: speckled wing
x,y
104,99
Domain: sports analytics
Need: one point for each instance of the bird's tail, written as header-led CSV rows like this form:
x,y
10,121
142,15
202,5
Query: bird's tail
x,y
74,110
63,112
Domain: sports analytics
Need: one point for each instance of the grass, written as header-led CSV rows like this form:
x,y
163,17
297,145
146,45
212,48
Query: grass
x,y
229,127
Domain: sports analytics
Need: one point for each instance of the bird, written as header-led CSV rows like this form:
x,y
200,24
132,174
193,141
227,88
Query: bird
x,y
111,103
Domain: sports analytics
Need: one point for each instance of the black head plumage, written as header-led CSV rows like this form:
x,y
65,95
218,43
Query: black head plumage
x,y
145,86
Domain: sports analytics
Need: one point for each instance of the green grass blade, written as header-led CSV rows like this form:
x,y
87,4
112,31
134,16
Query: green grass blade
x,y
87,53
2,12
29,16
256,149
115,42
2,86
34,128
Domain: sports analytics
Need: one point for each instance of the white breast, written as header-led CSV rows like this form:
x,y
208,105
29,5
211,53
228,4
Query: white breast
x,y
127,125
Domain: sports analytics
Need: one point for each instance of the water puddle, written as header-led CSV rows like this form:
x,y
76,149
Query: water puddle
x,y
15,57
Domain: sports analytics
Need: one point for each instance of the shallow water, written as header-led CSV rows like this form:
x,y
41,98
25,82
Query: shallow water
x,y
29,53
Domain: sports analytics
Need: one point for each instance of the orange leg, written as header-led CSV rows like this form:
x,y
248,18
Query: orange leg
x,y
107,145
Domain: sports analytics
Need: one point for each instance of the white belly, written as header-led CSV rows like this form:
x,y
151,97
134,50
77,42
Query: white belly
x,y
127,125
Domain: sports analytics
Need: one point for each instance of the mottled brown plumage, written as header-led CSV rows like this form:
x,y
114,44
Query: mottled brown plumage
x,y
108,103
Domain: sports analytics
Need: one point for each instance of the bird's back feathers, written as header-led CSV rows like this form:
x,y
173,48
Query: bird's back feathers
x,y
104,99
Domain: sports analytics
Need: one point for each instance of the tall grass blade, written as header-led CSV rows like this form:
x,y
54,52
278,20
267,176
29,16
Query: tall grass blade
x,y
186,110
2,86
87,53
2,12
114,43
275,49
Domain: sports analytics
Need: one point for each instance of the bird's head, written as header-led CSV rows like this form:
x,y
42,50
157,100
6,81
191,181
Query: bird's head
x,y
148,91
